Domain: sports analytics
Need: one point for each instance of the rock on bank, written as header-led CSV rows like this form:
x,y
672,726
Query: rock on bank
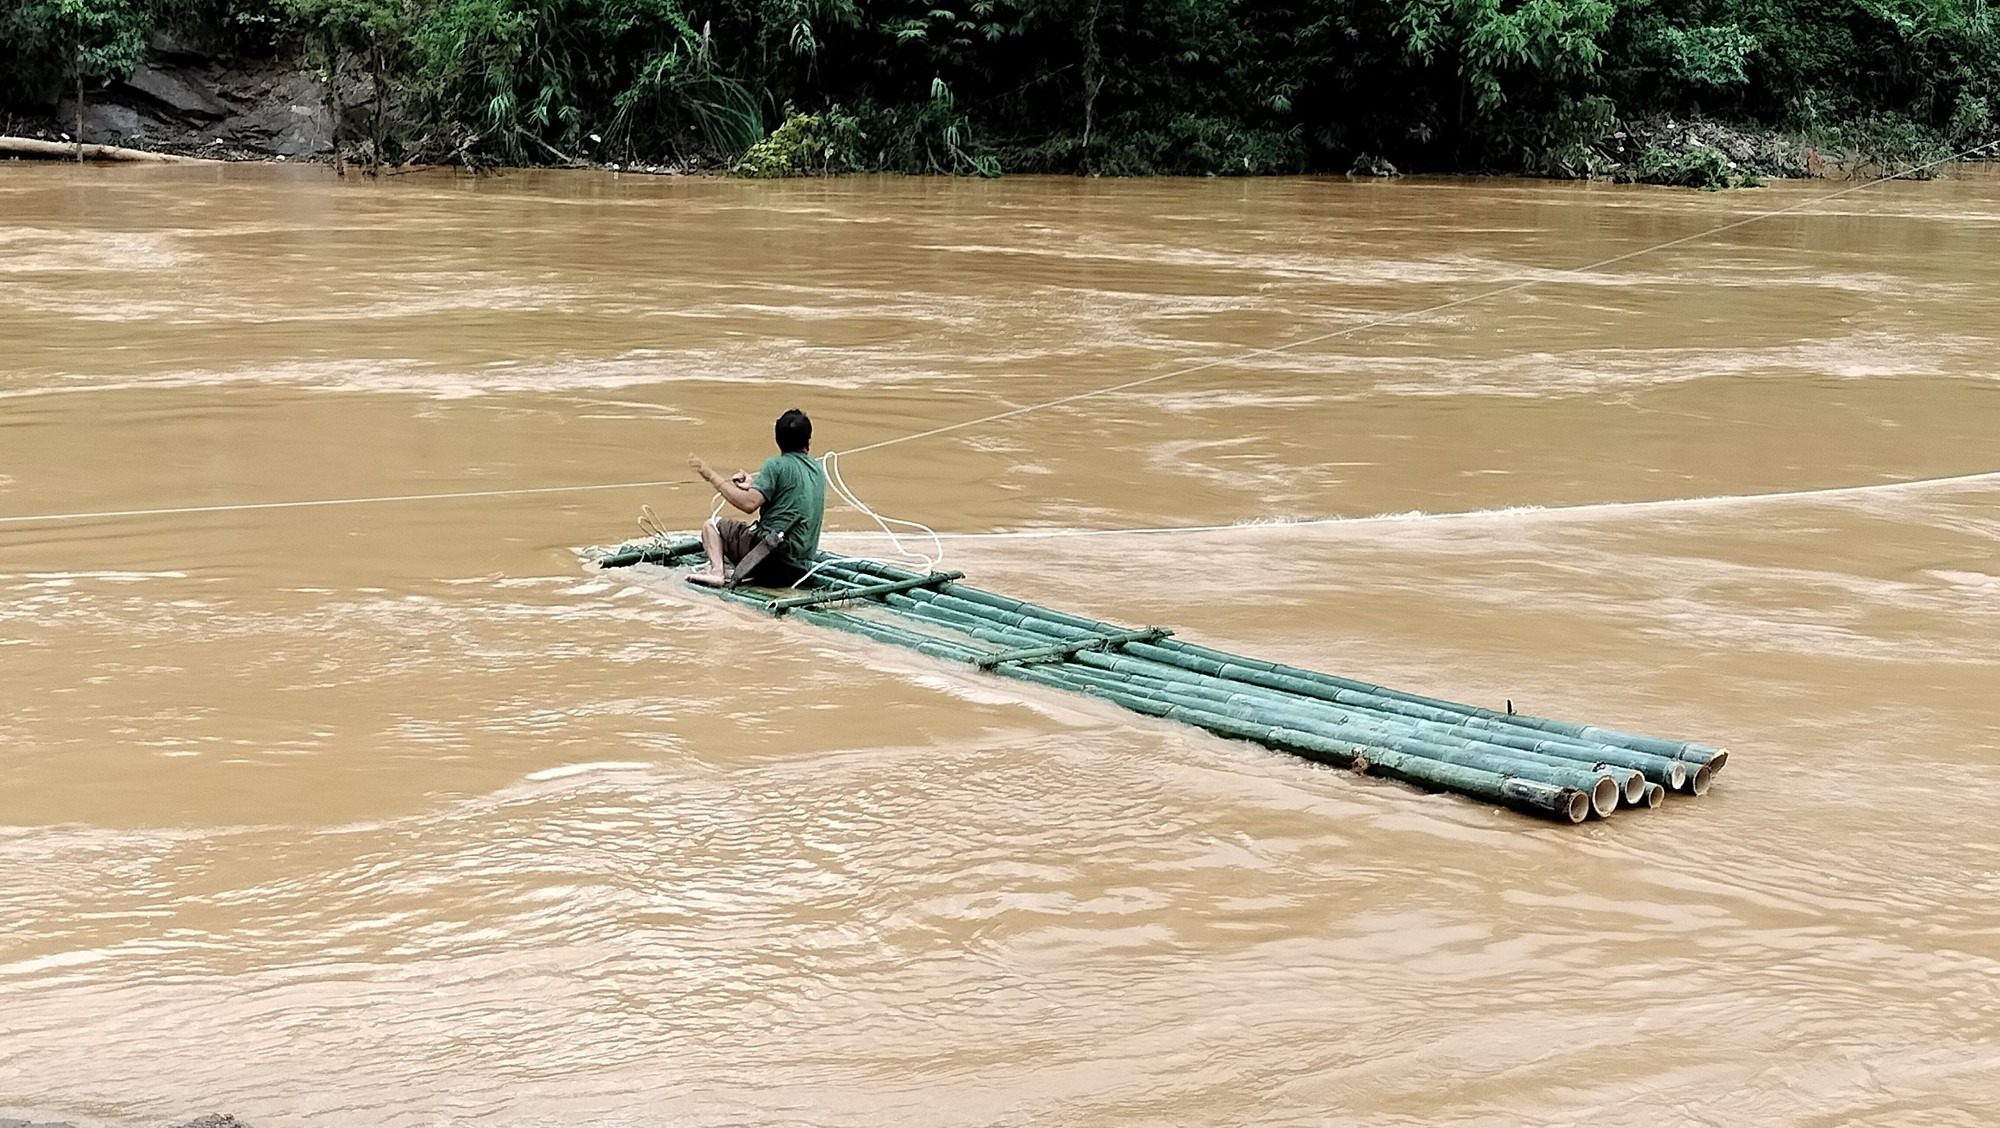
x,y
187,97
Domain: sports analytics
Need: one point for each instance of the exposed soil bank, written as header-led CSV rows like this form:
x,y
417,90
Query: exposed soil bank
x,y
184,98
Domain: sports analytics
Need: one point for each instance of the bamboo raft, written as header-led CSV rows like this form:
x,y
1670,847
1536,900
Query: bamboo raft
x,y
1555,769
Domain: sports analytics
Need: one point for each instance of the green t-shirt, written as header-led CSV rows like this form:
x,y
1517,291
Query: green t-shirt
x,y
794,489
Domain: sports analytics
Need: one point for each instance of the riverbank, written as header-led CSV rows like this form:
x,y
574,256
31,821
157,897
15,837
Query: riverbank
x,y
1689,154
285,88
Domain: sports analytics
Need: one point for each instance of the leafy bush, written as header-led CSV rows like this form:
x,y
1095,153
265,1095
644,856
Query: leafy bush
x,y
525,80
1695,167
806,145
1891,145
931,136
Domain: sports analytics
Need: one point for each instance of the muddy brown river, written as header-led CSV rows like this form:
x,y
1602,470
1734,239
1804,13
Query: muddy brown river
x,y
392,814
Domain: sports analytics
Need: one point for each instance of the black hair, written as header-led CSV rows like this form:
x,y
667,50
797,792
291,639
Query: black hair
x,y
795,431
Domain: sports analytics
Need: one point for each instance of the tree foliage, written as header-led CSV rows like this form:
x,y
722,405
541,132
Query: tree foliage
x,y
1107,86
46,43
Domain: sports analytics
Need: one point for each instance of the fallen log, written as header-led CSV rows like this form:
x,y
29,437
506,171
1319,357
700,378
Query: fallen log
x,y
34,147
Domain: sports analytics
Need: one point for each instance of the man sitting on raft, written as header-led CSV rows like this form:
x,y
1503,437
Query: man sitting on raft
x,y
789,497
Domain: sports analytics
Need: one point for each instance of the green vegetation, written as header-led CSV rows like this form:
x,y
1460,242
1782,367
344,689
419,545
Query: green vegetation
x,y
1695,167
805,145
56,42
787,87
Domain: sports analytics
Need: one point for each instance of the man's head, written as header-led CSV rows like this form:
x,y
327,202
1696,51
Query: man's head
x,y
795,432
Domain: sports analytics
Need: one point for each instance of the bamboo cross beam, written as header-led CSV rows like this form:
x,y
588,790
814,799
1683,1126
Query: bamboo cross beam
x,y
650,552
1061,650
814,599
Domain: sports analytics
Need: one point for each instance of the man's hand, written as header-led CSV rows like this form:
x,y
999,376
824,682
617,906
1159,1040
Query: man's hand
x,y
734,489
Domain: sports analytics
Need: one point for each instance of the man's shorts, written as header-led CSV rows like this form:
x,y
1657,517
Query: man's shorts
x,y
739,538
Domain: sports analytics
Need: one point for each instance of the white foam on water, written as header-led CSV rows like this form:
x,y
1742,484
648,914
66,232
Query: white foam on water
x,y
568,771
34,250
1499,513
1332,268
111,577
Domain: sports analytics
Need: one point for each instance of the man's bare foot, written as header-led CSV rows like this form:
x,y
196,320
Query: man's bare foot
x,y
706,579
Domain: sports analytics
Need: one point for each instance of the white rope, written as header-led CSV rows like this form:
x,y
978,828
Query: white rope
x,y
649,524
831,462
1281,524
243,507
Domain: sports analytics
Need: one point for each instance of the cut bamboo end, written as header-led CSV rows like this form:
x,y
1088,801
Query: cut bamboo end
x,y
1654,796
1579,807
1699,780
1677,775
1604,796
1635,788
1719,761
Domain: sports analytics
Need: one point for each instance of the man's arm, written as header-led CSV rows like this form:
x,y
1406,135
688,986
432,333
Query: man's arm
x,y
735,490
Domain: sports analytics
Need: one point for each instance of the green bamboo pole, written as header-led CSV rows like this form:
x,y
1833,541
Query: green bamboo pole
x,y
1715,758
1512,790
1679,750
1058,623
1631,778
1065,651
1003,631
953,600
1657,769
997,634
1631,784
896,636
1562,803
1465,748
1689,753
1536,796
1019,623
1452,729
831,593
649,552
931,609
1604,788
1629,781
1041,629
